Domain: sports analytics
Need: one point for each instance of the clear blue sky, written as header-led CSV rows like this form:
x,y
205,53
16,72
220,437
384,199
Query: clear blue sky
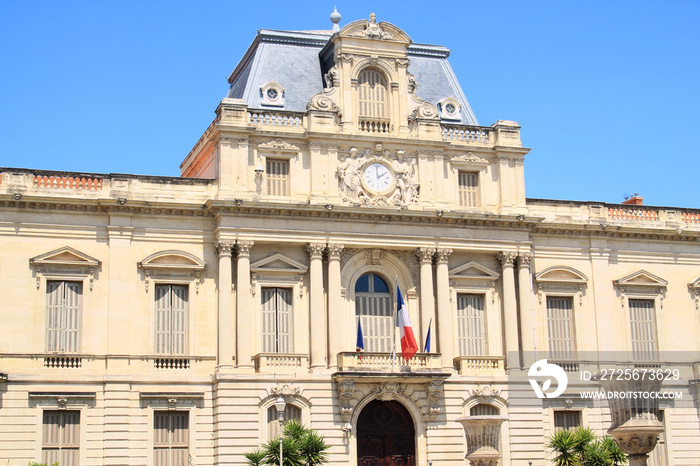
x,y
606,92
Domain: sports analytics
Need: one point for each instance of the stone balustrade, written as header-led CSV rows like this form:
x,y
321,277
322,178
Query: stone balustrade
x,y
281,362
382,362
476,365
466,134
286,120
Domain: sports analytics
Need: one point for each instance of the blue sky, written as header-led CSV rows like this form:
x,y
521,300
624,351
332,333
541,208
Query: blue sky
x,y
607,92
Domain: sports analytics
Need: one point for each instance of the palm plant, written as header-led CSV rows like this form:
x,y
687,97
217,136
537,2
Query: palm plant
x,y
300,447
581,447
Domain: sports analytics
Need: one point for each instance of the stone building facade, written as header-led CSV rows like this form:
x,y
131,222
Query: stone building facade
x,y
154,320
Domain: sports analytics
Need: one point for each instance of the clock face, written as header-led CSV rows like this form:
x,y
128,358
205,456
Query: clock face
x,y
378,177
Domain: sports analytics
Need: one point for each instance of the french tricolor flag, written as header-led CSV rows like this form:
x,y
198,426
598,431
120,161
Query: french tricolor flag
x,y
409,347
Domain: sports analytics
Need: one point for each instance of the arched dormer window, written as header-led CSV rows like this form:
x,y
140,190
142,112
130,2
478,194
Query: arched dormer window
x,y
373,305
373,102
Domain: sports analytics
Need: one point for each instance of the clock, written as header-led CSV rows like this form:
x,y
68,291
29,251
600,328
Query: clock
x,y
378,178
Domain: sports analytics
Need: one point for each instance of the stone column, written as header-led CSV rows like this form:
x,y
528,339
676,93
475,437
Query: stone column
x,y
510,313
527,317
245,310
317,311
427,296
336,310
445,332
224,353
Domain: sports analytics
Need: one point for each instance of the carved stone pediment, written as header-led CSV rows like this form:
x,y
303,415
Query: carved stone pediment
x,y
469,158
172,264
65,261
279,145
278,263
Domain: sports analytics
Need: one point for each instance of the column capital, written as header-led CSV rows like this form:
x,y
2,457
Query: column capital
x,y
507,259
244,246
334,251
315,250
524,259
442,254
425,254
224,247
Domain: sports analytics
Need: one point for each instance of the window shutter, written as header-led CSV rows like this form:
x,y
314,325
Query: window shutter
x,y
269,320
643,321
284,320
171,438
179,319
469,189
63,316
61,437
54,315
162,319
277,173
471,325
290,412
372,93
484,409
560,326
567,420
72,299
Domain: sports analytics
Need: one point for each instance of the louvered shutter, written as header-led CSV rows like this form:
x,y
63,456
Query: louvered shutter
x,y
269,320
171,438
63,316
643,322
567,420
290,412
61,437
484,409
372,93
284,320
560,327
179,319
471,325
277,174
469,189
162,319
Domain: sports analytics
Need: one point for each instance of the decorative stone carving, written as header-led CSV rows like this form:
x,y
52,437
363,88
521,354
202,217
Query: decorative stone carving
x,y
486,394
433,390
483,439
279,144
345,395
441,255
425,110
332,77
469,157
524,259
387,391
425,254
286,391
244,247
334,251
323,103
507,259
412,84
372,30
224,247
402,189
315,250
374,256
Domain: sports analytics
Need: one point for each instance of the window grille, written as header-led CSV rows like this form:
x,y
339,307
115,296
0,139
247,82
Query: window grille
x,y
469,189
61,437
560,326
471,325
484,409
277,320
63,316
277,174
171,438
171,319
643,321
374,306
373,94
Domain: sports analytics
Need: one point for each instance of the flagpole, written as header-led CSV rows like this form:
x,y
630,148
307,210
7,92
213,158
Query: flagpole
x,y
393,333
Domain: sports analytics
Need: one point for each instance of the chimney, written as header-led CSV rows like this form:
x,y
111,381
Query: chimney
x,y
634,200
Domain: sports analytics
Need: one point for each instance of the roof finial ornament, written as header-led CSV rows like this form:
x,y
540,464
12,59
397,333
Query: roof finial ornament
x,y
335,19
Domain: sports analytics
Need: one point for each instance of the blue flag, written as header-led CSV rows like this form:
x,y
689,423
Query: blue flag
x,y
427,339
360,338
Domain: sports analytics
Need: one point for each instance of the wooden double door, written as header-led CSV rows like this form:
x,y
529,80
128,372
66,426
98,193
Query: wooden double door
x,y
385,435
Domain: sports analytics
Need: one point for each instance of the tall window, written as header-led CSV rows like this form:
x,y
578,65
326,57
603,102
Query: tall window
x,y
63,316
373,304
277,320
471,324
469,189
567,420
373,101
61,437
643,321
171,319
171,438
560,326
277,174
290,412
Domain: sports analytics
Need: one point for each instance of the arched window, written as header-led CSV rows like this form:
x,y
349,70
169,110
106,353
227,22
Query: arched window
x,y
484,409
290,412
373,305
373,101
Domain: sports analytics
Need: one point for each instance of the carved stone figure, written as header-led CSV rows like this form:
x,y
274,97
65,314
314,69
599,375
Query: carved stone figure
x,y
405,177
349,176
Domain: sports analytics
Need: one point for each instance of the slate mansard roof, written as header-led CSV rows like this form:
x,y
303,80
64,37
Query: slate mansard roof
x,y
293,60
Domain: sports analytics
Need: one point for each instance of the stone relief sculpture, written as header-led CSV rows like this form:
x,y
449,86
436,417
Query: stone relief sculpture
x,y
376,177
372,30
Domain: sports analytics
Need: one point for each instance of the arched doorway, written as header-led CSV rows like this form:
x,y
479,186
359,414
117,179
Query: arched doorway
x,y
385,435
